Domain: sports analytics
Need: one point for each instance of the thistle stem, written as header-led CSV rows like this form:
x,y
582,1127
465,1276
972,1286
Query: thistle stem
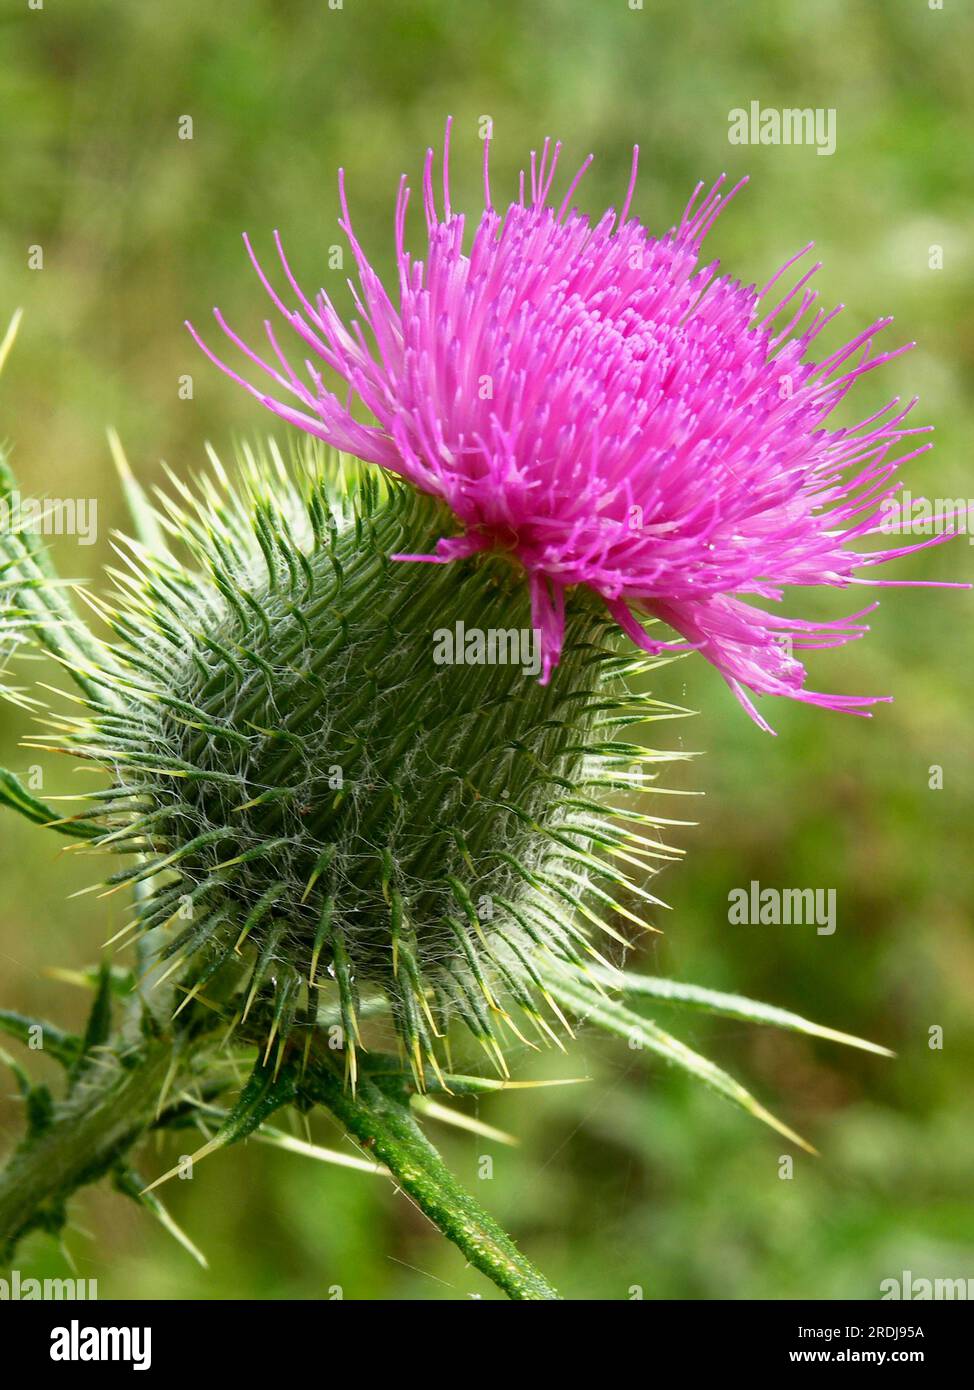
x,y
81,1141
386,1127
116,1102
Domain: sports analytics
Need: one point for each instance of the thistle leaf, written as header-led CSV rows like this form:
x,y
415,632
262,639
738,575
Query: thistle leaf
x,y
147,527
728,1005
279,1140
99,1026
63,1047
265,1092
433,1110
128,1182
14,794
586,1001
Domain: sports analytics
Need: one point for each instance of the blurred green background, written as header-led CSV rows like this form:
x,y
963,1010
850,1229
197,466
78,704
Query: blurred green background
x,y
633,1178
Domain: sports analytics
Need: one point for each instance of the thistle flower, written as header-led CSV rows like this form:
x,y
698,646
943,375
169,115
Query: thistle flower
x,y
339,853
613,413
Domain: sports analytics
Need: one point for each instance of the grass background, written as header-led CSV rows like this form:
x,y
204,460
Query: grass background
x,y
634,1178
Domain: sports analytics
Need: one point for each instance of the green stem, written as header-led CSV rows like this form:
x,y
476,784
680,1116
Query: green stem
x,y
85,1136
386,1127
115,1102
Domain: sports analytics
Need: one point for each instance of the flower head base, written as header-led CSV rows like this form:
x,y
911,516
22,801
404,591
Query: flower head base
x,y
612,412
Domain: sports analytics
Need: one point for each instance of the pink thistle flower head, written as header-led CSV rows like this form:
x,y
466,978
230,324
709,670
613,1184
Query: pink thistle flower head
x,y
611,411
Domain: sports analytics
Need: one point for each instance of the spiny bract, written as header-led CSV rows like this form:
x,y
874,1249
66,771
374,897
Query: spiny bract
x,y
311,797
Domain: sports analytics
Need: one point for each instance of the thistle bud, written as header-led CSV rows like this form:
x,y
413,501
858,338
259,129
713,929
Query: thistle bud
x,y
340,776
339,791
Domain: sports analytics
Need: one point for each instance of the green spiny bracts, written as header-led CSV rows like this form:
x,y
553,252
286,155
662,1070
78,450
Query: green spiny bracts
x,y
321,827
320,807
